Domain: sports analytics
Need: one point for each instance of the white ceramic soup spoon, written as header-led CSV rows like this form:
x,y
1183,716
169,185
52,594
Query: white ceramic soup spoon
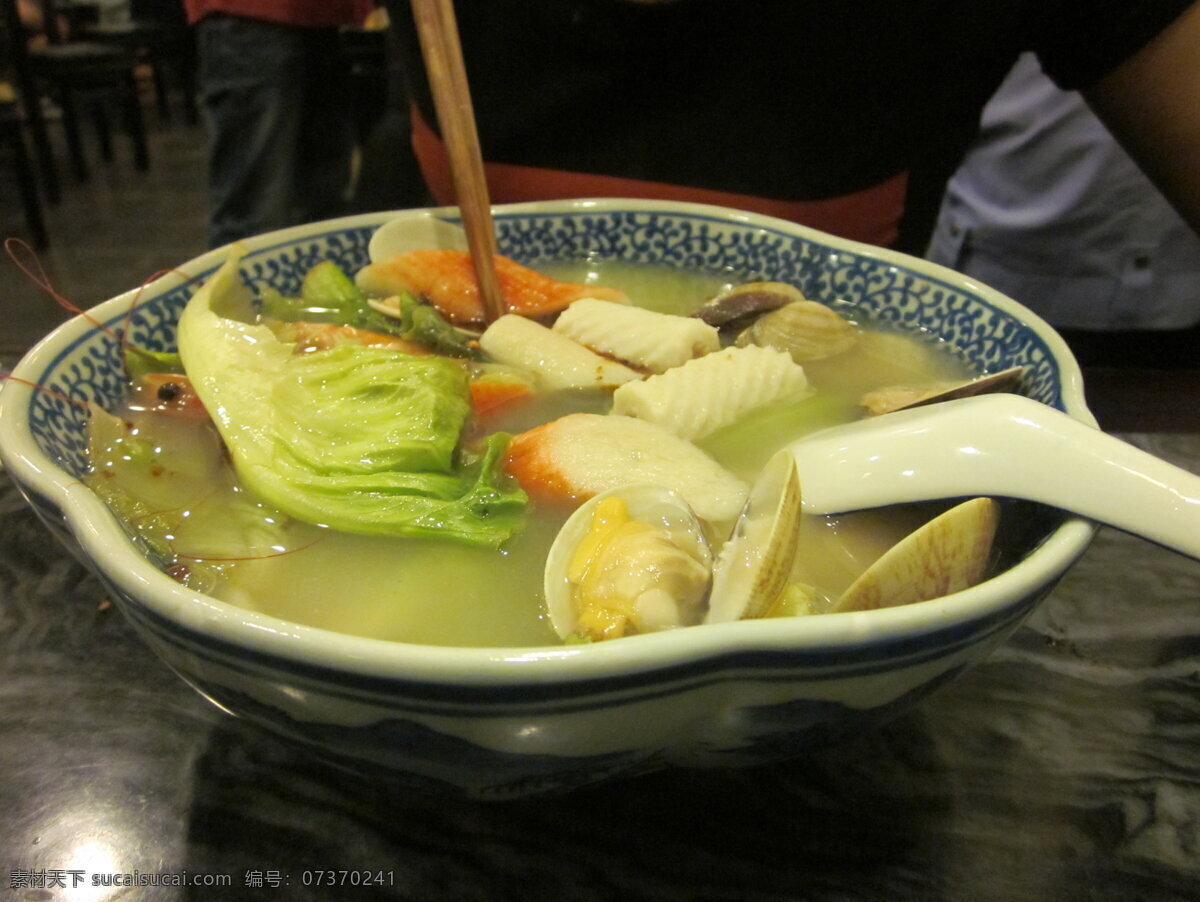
x,y
1005,446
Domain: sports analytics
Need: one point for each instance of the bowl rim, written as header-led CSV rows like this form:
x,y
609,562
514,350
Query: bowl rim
x,y
1001,598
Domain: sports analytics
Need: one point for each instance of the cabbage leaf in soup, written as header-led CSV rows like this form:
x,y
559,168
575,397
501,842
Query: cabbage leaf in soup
x,y
356,409
356,438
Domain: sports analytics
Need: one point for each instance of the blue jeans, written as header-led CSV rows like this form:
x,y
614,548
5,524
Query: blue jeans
x,y
282,138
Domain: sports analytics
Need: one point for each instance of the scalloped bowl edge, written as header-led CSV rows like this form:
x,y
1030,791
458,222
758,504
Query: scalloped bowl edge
x,y
209,642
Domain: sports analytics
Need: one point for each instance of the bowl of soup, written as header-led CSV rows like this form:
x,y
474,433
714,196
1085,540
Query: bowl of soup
x,y
343,505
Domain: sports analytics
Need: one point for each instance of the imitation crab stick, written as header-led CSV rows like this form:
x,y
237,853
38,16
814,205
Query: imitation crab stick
x,y
570,459
446,279
497,387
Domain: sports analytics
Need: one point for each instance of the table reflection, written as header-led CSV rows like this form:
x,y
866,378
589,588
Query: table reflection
x,y
1065,766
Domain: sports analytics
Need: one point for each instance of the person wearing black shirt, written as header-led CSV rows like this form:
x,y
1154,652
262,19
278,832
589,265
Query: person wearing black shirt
x,y
847,116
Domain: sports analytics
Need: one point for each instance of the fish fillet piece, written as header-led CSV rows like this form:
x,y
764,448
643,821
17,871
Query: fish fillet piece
x,y
446,279
704,394
555,361
643,338
582,454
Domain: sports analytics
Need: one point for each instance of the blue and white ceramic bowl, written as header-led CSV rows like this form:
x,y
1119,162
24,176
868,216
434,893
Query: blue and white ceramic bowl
x,y
506,722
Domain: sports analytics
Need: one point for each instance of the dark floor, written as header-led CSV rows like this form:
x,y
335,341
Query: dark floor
x,y
108,234
113,232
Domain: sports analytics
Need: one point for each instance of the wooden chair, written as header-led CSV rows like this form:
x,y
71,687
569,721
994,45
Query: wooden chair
x,y
12,137
74,74
157,33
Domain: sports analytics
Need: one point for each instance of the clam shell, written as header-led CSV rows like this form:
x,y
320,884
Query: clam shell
x,y
805,329
750,299
899,397
389,306
654,504
414,232
946,555
754,566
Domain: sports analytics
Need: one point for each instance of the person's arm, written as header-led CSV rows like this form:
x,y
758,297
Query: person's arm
x,y
1151,103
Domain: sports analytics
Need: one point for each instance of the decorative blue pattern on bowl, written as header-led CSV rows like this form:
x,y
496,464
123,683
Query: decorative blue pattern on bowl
x,y
886,292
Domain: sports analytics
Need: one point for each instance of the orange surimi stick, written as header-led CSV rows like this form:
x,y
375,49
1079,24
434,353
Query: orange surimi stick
x,y
491,392
570,459
447,279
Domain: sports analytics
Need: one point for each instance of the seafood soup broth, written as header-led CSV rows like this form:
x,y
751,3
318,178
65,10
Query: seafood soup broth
x,y
445,593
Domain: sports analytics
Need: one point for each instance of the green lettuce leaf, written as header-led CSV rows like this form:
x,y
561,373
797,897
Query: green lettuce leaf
x,y
418,407
328,295
360,439
140,362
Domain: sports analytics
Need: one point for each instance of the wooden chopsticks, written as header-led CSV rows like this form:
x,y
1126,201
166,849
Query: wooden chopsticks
x,y
442,51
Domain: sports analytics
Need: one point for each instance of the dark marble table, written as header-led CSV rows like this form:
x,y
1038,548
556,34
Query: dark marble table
x,y
1066,767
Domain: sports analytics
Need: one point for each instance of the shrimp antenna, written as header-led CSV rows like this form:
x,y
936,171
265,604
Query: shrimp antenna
x,y
6,376
138,297
26,259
